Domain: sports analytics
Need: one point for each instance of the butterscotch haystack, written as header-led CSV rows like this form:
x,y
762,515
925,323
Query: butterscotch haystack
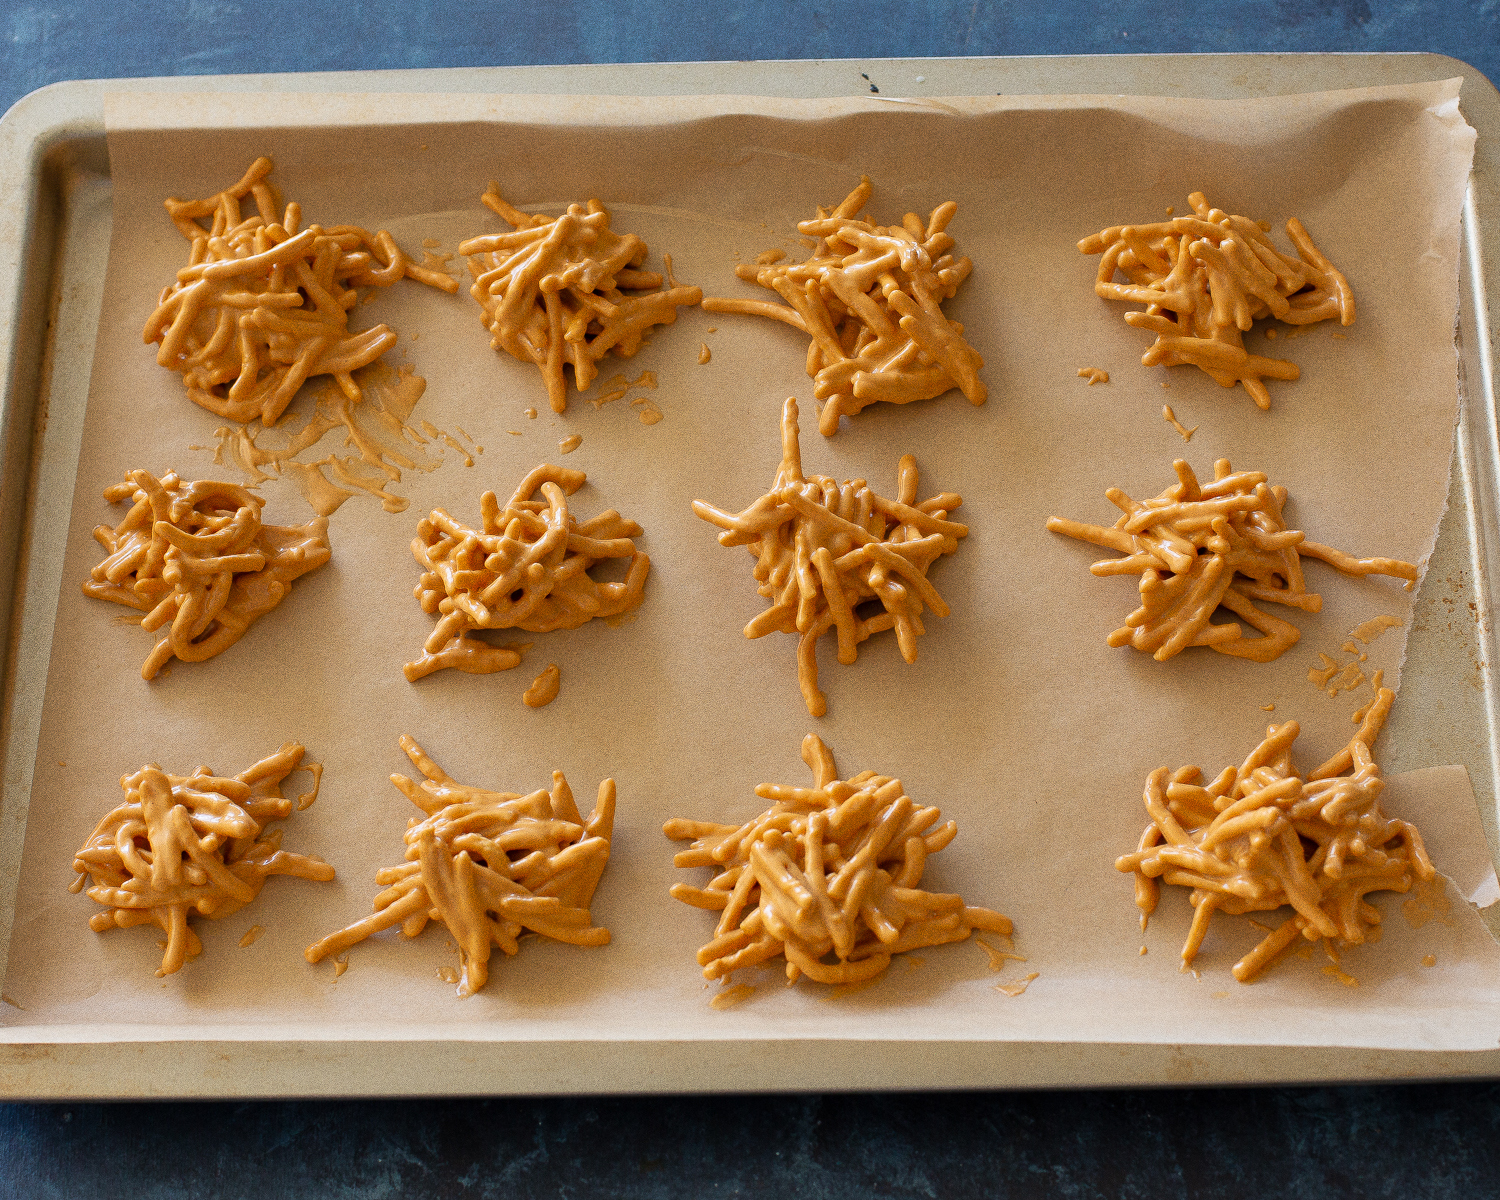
x,y
870,297
1199,547
182,844
263,305
1204,280
196,558
1263,836
489,866
527,567
565,291
826,877
824,550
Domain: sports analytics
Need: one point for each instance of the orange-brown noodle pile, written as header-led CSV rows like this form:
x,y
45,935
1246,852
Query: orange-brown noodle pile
x,y
184,844
1201,547
871,297
525,568
826,877
489,866
825,550
1263,836
196,558
263,305
565,291
1204,280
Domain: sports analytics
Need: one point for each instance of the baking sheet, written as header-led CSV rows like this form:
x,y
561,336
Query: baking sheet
x,y
668,699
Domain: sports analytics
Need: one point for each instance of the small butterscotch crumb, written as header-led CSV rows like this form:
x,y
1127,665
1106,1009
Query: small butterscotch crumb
x,y
1342,976
1171,418
713,329
531,414
1341,337
340,965
448,974
1143,951
703,353
1016,989
766,257
649,413
252,935
1093,375
514,432
1429,960
731,996
1267,708
1171,208
570,443
1270,335
543,689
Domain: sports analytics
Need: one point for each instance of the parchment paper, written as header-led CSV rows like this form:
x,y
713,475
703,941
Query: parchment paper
x,y
1017,719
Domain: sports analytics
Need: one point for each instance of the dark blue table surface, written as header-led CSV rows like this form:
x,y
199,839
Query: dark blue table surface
x,y
1411,1142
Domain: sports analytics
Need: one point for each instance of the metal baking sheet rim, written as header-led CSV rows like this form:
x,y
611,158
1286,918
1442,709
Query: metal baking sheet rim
x,y
54,170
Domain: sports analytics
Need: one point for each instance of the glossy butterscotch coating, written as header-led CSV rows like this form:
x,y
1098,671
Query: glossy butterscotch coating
x,y
833,868
1205,279
184,844
1199,547
263,305
1263,836
526,567
489,865
870,297
823,548
196,559
565,291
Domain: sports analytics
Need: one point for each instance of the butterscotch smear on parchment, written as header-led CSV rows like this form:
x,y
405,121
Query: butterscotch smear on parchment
x,y
526,567
870,297
1199,547
186,844
1263,836
826,878
1204,280
489,866
824,548
381,439
565,291
197,560
263,304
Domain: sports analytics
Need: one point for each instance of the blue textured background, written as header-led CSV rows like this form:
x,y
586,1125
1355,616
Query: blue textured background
x,y
1413,1142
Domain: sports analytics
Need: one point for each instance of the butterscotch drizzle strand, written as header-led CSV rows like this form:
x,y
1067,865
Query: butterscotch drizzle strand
x,y
195,558
526,567
263,306
487,866
870,298
190,844
830,869
823,548
1199,547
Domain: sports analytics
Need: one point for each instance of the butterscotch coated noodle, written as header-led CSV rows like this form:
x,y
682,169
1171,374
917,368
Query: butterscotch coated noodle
x,y
263,304
1264,836
489,866
828,870
823,548
1201,547
565,291
1203,281
526,567
195,558
184,844
870,297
